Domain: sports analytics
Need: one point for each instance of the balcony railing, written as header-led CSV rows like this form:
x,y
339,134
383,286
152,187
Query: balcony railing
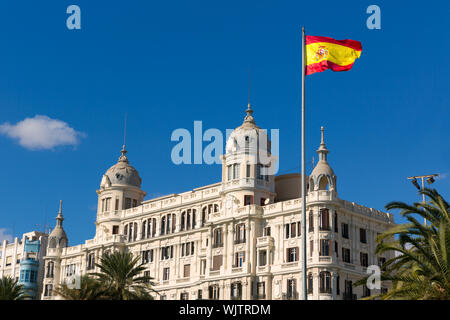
x,y
239,241
217,245
325,290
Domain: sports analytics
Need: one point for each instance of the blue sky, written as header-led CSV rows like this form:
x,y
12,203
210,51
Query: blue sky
x,y
168,64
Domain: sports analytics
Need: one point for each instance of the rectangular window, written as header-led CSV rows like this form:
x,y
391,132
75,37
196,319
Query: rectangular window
x,y
127,203
202,266
267,231
248,199
199,294
258,172
261,290
115,230
217,262
346,255
324,220
344,228
248,171
362,235
229,173
236,169
135,203
239,259
292,254
291,289
293,230
187,271
311,248
364,257
116,207
336,248
324,247
166,274
262,257
184,296
48,290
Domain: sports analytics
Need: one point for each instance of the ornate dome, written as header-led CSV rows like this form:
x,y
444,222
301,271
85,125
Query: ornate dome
x,y
58,237
248,135
122,173
323,175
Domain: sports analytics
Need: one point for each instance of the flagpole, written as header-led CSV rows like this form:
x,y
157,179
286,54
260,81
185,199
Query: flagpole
x,y
304,293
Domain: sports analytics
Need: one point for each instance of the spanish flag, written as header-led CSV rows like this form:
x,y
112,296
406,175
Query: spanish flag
x,y
324,53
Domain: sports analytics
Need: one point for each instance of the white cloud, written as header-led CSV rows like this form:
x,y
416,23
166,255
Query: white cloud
x,y
5,235
41,132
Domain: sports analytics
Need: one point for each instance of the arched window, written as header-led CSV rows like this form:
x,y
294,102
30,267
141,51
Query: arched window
x,y
311,185
183,221
169,223
144,229
174,222
193,218
325,282
163,225
52,243
204,213
323,183
130,231
188,219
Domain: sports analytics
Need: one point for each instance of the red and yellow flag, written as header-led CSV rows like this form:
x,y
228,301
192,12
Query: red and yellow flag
x,y
324,53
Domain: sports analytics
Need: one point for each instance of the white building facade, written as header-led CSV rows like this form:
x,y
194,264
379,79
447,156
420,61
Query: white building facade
x,y
236,239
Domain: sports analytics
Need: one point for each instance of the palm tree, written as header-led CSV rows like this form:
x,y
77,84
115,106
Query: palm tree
x,y
90,289
420,268
11,290
120,275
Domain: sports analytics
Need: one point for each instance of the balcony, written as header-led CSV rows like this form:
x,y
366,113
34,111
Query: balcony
x,y
325,290
239,241
217,245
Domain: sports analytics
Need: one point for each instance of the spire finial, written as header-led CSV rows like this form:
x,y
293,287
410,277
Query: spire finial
x,y
322,151
322,133
59,217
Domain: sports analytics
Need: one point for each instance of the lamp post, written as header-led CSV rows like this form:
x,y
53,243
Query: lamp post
x,y
430,180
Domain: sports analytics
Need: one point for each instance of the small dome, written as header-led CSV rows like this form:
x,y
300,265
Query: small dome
x,y
122,173
247,134
58,237
322,168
